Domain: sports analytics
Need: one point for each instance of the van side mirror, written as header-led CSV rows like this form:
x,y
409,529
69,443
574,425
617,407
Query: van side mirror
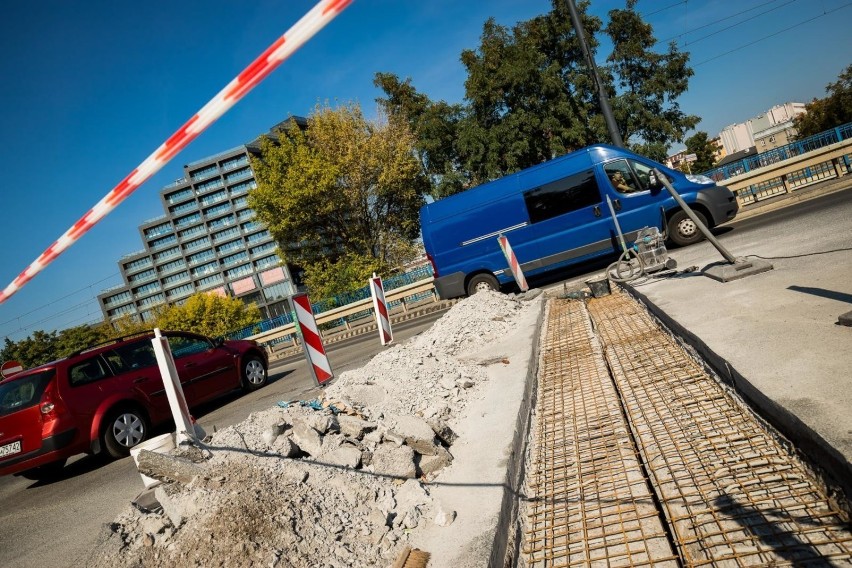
x,y
653,182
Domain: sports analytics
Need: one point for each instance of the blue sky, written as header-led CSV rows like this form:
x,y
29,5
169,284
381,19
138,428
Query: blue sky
x,y
91,88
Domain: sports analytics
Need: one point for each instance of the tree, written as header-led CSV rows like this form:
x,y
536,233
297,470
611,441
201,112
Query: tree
x,y
833,110
704,150
343,190
530,97
37,349
435,127
81,337
209,314
649,84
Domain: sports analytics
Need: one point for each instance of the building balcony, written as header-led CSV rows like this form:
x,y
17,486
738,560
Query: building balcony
x,y
234,164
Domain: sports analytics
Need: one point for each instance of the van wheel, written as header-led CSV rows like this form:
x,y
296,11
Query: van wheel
x,y
482,282
683,230
124,428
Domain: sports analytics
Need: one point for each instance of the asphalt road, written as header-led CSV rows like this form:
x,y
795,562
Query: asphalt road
x,y
56,524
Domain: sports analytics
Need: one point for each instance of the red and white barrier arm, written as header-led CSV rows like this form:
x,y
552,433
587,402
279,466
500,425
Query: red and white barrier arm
x,y
257,71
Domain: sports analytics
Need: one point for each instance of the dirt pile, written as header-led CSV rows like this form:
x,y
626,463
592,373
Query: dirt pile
x,y
337,482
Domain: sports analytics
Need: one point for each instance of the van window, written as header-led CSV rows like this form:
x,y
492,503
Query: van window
x,y
86,371
562,196
621,177
629,176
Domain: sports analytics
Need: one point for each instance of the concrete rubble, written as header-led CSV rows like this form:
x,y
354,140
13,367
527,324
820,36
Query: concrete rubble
x,y
345,481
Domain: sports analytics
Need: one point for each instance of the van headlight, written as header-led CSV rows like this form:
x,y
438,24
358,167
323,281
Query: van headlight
x,y
698,178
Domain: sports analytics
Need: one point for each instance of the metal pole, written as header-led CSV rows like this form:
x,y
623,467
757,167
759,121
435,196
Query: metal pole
x,y
617,226
603,99
688,210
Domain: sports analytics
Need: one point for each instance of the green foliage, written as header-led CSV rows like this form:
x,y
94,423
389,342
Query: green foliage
x,y
345,189
37,349
648,84
208,314
704,150
530,97
833,110
326,278
42,347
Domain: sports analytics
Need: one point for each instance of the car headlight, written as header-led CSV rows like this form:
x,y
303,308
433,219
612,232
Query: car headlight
x,y
698,178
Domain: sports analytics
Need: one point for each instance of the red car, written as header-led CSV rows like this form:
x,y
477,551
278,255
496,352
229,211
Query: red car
x,y
106,399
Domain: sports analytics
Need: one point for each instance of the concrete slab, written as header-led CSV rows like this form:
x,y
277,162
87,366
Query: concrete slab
x,y
725,272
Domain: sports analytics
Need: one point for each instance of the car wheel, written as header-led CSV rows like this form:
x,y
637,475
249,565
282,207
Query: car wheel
x,y
254,373
482,282
123,429
683,230
45,472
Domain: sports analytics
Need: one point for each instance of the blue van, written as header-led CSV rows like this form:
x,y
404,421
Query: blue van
x,y
555,214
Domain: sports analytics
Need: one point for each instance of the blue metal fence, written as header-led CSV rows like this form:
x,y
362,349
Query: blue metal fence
x,y
391,283
782,153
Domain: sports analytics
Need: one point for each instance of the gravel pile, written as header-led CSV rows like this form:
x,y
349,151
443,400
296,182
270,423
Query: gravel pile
x,y
339,482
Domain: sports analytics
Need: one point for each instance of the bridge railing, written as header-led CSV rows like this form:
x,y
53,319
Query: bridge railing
x,y
401,290
783,170
776,155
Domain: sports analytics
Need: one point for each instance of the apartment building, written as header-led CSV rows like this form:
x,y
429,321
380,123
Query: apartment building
x,y
765,131
207,240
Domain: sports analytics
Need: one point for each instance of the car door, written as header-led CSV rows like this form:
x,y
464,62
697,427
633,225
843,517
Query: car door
x,y
206,370
136,369
89,380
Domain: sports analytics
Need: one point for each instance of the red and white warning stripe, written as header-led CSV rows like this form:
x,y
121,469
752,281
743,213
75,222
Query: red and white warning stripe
x,y
257,71
514,265
381,308
314,350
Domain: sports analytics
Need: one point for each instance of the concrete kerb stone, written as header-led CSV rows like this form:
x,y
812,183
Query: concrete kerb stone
x,y
836,469
485,479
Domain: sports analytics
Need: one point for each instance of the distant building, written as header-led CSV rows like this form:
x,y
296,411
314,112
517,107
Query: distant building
x,y
208,240
737,137
765,131
676,161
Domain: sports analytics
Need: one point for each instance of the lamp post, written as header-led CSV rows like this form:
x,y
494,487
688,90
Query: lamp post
x,y
603,99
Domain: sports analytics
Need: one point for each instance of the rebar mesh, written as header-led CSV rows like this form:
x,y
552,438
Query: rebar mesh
x,y
589,500
732,491
639,457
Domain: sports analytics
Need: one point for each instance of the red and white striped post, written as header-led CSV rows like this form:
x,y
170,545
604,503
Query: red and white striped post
x,y
381,308
312,341
514,265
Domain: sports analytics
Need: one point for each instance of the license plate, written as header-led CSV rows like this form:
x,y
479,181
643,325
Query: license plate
x,y
9,449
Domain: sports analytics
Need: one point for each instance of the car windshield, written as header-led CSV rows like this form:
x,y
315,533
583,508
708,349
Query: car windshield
x,y
23,392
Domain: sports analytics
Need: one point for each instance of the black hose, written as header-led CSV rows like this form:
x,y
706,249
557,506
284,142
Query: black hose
x,y
625,261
